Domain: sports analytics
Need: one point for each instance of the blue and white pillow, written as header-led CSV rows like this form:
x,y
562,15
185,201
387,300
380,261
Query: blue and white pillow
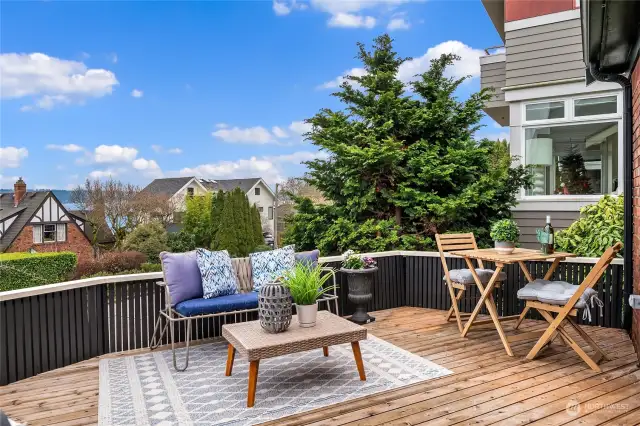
x,y
266,266
218,276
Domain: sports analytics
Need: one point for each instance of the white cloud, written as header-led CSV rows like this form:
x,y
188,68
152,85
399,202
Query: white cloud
x,y
270,168
137,93
398,24
11,157
100,174
156,148
113,57
469,64
67,148
114,154
250,135
8,181
147,167
300,127
221,125
51,80
279,133
349,20
281,8
174,151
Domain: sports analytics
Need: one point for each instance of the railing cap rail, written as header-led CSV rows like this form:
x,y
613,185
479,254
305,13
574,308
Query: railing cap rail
x,y
147,276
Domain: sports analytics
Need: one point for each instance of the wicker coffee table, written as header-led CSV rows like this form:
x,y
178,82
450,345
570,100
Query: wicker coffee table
x,y
252,342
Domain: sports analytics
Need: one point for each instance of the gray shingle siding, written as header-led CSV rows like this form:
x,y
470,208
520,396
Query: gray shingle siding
x,y
544,53
493,76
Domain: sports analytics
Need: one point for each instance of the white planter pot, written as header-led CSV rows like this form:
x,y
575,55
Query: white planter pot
x,y
307,314
505,247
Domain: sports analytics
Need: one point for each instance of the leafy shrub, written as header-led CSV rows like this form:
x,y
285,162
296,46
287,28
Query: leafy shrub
x,y
111,263
262,248
151,267
505,230
600,226
149,238
180,242
22,270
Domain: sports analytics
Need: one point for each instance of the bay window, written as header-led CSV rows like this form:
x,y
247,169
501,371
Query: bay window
x,y
572,146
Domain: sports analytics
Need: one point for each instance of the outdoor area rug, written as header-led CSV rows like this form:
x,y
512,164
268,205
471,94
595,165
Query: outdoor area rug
x,y
146,389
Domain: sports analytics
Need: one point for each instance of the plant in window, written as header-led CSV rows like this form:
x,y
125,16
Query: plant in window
x,y
573,174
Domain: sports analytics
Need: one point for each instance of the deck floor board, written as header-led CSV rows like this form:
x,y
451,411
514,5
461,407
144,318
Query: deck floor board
x,y
487,387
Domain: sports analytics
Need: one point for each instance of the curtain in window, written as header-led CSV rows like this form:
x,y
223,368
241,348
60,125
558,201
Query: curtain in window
x,y
61,231
37,234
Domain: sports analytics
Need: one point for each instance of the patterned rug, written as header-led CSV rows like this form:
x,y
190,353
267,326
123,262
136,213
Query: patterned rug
x,y
146,390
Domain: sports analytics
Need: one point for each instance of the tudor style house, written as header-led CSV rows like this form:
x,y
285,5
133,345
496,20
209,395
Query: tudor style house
x,y
37,220
258,193
569,132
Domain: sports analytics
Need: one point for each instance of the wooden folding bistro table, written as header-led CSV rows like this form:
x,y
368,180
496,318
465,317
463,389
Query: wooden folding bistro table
x,y
519,256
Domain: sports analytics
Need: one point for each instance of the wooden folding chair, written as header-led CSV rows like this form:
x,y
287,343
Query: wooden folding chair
x,y
450,242
568,311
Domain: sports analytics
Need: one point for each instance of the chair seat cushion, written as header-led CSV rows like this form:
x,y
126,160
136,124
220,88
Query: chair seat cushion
x,y
215,305
464,276
554,293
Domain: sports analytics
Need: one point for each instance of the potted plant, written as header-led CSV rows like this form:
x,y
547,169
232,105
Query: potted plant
x,y
505,234
306,283
359,271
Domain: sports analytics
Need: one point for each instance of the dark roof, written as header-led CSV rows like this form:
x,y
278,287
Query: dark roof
x,y
229,184
105,235
167,186
25,210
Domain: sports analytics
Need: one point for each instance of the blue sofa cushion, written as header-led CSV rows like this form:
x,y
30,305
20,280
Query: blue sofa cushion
x,y
233,302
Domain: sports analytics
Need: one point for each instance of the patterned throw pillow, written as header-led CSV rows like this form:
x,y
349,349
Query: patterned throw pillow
x,y
218,276
266,266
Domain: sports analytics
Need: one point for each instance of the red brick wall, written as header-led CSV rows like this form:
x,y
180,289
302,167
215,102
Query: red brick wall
x,y
635,80
76,242
522,9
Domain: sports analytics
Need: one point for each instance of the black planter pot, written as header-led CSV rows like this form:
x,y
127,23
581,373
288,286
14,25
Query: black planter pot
x,y
360,284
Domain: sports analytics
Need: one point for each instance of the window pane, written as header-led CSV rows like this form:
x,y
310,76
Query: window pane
x,y
257,191
270,213
596,106
49,232
573,160
545,111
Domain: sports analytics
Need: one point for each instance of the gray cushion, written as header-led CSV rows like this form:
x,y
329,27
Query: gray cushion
x,y
464,276
554,293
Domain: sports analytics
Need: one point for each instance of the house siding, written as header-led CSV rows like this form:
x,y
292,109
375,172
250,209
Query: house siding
x,y
77,242
530,220
265,200
635,80
493,76
544,53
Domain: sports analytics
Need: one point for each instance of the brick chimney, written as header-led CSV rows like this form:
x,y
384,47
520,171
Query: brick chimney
x,y
19,191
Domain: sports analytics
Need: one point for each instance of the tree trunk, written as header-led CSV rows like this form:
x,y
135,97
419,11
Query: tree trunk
x,y
399,216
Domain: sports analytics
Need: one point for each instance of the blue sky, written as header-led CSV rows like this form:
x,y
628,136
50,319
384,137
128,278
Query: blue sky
x,y
216,89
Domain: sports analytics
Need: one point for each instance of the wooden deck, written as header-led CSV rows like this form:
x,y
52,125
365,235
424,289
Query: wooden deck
x,y
487,387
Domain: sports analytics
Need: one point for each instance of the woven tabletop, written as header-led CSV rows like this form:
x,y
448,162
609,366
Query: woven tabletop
x,y
252,341
518,255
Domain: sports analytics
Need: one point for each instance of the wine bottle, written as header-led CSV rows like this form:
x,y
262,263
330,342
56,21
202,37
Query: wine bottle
x,y
549,247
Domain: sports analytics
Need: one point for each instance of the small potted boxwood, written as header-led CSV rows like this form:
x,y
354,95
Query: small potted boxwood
x,y
505,234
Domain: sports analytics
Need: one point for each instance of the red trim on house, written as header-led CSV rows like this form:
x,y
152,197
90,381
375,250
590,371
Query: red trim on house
x,y
635,84
515,10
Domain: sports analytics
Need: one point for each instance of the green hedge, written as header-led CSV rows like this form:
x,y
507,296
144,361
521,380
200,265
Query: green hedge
x,y
22,270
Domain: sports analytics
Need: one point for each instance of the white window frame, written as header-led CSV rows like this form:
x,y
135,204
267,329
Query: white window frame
x,y
61,228
55,233
570,119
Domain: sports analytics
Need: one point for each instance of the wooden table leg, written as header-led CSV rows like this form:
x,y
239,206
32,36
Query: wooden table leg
x,y
355,346
253,381
325,350
553,267
231,354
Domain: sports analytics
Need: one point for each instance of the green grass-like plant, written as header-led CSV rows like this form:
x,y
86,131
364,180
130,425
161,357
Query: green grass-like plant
x,y
306,283
505,230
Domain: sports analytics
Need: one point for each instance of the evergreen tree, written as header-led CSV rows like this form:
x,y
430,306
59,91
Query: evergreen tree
x,y
217,205
573,174
226,238
197,219
256,223
402,163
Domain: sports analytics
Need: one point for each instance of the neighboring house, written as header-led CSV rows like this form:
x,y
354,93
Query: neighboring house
x,y
558,124
38,221
258,193
611,49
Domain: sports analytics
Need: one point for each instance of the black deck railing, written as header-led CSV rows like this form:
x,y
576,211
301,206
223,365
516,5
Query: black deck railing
x,y
48,327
